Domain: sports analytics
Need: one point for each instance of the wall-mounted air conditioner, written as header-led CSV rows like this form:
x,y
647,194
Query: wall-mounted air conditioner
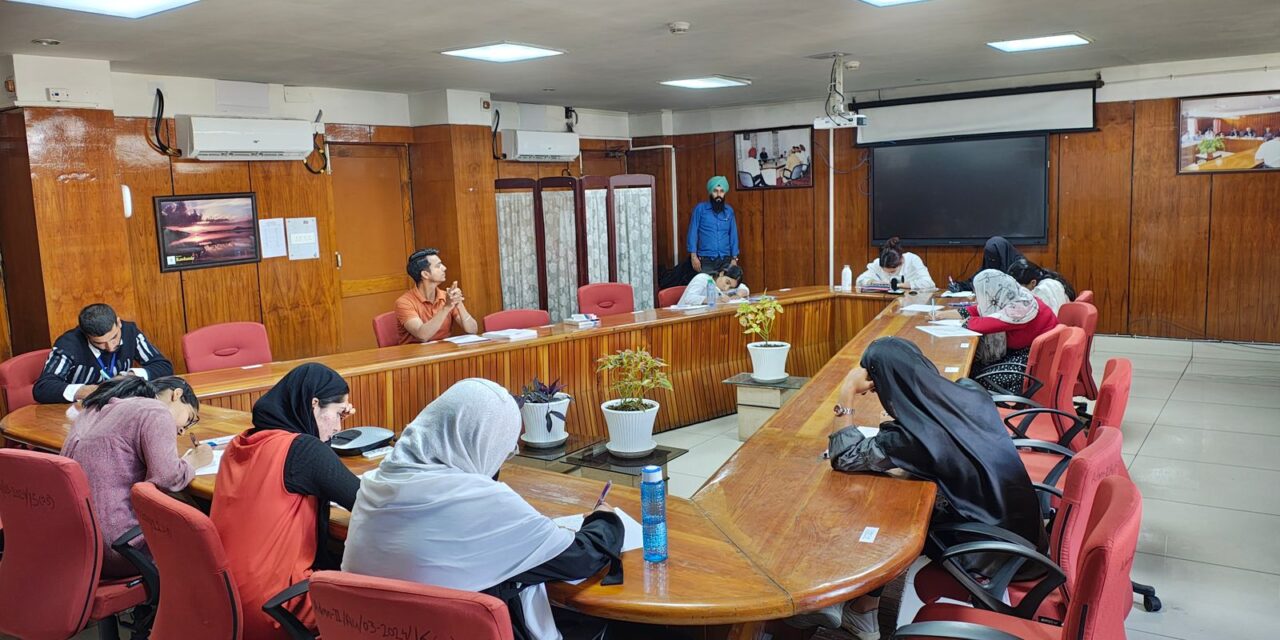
x,y
215,138
539,146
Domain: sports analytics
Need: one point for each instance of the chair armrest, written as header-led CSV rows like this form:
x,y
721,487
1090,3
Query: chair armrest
x,y
275,608
948,629
150,575
988,597
977,529
1031,383
1027,415
1013,402
1045,495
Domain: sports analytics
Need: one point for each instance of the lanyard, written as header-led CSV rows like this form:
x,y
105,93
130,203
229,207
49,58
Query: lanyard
x,y
107,374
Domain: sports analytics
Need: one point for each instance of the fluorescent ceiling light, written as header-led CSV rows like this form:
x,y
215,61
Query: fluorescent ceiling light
x,y
1046,42
889,3
503,52
709,82
119,8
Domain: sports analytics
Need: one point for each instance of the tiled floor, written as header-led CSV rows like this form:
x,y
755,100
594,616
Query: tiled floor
x,y
1202,440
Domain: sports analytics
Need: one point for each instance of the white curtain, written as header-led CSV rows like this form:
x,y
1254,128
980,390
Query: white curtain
x,y
562,253
517,250
633,224
597,235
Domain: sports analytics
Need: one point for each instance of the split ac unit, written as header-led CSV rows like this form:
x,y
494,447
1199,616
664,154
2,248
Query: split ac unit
x,y
539,146
221,138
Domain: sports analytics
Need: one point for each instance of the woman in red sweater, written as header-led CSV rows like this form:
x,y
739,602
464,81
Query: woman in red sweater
x,y
1009,319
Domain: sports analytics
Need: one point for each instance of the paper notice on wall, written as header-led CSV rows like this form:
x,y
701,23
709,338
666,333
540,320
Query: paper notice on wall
x,y
271,237
304,238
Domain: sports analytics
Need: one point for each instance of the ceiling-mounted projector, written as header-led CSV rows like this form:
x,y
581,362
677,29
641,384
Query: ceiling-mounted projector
x,y
847,121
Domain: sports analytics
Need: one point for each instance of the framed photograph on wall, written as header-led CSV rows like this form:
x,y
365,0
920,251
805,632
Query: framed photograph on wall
x,y
1229,133
211,230
773,158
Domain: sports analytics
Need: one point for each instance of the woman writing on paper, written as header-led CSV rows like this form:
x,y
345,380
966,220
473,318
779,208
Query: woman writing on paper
x,y
1009,318
727,282
895,266
434,512
1044,284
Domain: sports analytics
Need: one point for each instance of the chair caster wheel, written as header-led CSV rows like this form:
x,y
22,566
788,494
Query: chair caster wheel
x,y
1151,603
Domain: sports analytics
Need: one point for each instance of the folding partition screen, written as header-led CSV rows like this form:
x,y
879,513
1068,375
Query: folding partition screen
x,y
560,207
518,244
631,208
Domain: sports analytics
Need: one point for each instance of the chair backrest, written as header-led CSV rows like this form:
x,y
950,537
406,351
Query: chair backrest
x,y
799,172
670,296
52,543
1084,296
516,319
18,374
1093,464
386,329
403,609
1103,592
1042,363
226,345
1113,397
198,595
744,179
606,298
1084,316
1069,363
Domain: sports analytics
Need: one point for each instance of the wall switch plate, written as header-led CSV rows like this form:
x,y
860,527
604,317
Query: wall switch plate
x,y
57,94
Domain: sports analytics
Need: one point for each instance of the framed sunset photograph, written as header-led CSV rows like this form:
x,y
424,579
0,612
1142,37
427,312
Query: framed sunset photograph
x,y
195,232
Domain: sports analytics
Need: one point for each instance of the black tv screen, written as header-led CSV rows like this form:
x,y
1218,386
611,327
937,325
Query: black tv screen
x,y
961,192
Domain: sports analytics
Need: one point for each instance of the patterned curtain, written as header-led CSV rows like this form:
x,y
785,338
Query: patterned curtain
x,y
633,222
562,253
517,250
597,235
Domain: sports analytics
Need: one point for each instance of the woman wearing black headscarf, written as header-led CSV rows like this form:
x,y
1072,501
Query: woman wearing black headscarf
x,y
274,486
998,254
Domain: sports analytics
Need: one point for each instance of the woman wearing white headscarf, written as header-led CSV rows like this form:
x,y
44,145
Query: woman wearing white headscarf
x,y
434,512
1009,318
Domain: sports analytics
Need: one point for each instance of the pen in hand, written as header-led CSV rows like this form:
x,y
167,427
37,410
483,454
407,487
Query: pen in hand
x,y
603,494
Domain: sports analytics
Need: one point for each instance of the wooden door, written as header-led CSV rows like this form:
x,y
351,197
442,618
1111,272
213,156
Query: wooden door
x,y
375,234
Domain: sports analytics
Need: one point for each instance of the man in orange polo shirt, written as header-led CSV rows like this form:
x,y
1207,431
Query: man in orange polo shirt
x,y
427,311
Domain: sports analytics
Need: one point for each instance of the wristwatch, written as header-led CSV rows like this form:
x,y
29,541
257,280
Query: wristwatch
x,y
843,411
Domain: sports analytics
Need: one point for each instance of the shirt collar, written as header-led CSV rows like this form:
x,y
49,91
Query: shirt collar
x,y
440,295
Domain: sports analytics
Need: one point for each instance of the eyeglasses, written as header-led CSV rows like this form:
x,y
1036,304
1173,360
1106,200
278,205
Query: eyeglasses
x,y
191,422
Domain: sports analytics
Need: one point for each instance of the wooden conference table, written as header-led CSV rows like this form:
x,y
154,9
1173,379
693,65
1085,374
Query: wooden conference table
x,y
773,532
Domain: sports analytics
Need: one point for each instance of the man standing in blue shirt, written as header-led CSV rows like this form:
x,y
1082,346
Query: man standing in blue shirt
x,y
713,231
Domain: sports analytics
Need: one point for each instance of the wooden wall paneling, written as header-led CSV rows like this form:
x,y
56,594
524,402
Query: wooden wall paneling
x,y
788,233
79,213
820,163
299,298
1094,193
604,157
19,239
1242,254
695,165
217,294
348,133
431,168
477,220
6,346
384,134
853,213
748,212
1169,251
159,295
657,163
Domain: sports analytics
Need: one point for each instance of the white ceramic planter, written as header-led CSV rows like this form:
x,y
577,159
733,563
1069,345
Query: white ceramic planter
x,y
768,364
534,415
630,431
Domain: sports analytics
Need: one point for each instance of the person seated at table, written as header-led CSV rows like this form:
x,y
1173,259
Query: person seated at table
x,y
1250,133
434,512
896,267
998,253
101,347
728,284
274,486
125,434
427,311
945,432
1045,284
1009,318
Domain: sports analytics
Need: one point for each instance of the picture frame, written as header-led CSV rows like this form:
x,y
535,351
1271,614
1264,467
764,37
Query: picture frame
x,y
1228,133
780,158
207,230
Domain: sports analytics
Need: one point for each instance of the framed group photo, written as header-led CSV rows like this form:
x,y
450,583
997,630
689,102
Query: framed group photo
x,y
201,231
774,158
1229,133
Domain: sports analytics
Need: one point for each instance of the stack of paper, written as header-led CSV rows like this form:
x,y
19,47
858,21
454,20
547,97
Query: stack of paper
x,y
922,308
943,331
958,294
686,307
467,339
511,334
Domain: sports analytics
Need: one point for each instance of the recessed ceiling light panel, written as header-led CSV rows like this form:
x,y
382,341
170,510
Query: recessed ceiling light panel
x,y
46,42
709,82
503,52
120,8
889,3
1046,42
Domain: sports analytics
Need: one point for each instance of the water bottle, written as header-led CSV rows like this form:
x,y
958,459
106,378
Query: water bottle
x,y
713,293
653,513
846,279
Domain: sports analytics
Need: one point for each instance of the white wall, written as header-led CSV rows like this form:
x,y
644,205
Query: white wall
x,y
88,81
654,123
592,123
1191,78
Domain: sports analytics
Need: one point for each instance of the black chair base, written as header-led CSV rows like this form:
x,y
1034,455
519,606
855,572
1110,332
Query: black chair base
x,y
1149,600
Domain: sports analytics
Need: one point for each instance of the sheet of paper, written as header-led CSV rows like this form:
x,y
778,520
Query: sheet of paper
x,y
466,339
869,432
304,238
632,539
212,467
951,322
271,237
686,307
947,332
218,442
958,294
924,308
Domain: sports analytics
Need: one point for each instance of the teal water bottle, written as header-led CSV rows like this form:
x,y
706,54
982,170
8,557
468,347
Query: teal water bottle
x,y
653,513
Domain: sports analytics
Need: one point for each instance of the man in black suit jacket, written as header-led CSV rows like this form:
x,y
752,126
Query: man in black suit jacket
x,y
101,347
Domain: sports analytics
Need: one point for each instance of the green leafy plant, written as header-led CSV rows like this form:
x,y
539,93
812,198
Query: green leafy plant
x,y
758,317
539,392
1209,145
634,373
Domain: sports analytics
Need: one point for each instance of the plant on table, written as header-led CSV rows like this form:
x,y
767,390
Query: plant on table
x,y
758,317
539,392
1210,145
633,373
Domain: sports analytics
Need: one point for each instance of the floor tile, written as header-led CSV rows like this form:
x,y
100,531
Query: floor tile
x,y
1134,435
1219,447
684,485
683,438
1197,532
1145,386
1228,351
1245,371
714,427
1150,346
1147,365
1207,484
1131,634
704,459
1128,459
1204,601
1220,417
1143,410
1224,392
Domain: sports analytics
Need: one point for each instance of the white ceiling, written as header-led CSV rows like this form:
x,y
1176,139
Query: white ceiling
x,y
618,51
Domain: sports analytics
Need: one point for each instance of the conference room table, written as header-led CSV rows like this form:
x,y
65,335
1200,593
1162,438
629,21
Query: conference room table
x,y
774,532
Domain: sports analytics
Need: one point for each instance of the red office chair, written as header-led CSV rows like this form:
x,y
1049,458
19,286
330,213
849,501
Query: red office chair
x,y
1046,464
516,319
428,611
226,345
1084,296
386,329
606,299
1056,421
670,296
18,374
50,580
1084,316
1099,602
1041,369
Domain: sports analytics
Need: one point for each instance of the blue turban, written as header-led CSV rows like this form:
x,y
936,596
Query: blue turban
x,y
718,181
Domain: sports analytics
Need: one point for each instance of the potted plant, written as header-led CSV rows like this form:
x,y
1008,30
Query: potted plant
x,y
768,358
543,408
1208,146
630,416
